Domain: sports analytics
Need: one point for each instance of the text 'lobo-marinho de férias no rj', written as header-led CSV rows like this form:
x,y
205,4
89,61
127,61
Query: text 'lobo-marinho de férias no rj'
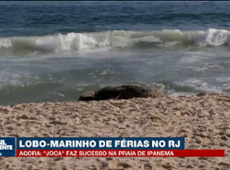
x,y
124,143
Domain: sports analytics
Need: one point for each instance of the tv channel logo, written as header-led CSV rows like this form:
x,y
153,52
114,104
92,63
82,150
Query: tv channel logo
x,y
7,146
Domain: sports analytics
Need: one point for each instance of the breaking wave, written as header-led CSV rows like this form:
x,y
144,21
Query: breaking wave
x,y
114,39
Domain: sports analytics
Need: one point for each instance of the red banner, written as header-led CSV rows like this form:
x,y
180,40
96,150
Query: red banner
x,y
120,153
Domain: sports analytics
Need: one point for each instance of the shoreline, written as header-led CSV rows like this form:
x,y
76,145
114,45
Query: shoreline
x,y
203,121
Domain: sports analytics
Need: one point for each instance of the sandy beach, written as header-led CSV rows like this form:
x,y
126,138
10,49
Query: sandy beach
x,y
203,121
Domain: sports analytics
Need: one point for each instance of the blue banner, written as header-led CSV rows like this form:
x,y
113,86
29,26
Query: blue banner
x,y
100,143
7,146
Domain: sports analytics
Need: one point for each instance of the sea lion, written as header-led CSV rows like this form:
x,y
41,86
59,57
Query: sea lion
x,y
127,91
201,94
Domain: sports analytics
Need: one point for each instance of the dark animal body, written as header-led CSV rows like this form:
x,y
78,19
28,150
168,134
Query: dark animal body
x,y
121,92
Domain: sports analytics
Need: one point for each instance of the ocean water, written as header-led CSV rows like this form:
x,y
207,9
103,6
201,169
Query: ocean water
x,y
55,51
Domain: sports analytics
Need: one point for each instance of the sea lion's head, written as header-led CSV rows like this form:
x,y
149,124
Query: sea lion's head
x,y
87,96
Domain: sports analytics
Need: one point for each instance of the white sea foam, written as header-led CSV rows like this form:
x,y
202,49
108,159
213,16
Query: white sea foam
x,y
199,85
114,39
213,37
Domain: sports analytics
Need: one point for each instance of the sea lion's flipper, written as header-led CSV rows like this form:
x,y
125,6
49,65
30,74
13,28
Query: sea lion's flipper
x,y
118,97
